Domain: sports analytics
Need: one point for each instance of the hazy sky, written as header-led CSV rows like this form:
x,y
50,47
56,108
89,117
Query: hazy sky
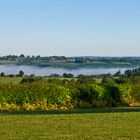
x,y
70,27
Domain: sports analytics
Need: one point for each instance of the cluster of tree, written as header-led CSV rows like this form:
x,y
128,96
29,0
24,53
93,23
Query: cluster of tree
x,y
20,74
133,72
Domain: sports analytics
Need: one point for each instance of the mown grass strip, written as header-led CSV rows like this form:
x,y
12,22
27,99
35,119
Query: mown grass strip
x,y
111,123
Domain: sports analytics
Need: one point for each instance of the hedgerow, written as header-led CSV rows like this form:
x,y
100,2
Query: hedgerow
x,y
66,95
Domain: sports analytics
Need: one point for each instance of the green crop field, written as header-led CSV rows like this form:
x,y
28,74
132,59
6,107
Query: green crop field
x,y
96,124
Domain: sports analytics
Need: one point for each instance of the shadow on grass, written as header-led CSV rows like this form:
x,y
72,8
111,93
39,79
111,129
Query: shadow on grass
x,y
76,111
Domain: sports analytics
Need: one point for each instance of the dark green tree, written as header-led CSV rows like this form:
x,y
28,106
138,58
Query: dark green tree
x,y
2,74
21,73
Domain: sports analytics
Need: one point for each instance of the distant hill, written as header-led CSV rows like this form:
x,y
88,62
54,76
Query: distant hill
x,y
70,62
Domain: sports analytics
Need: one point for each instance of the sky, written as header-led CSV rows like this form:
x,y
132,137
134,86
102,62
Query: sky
x,y
70,27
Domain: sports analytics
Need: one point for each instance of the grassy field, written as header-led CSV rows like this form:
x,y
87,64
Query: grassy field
x,y
8,80
96,124
16,80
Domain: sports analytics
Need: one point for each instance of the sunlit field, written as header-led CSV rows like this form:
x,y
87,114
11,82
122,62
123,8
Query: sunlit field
x,y
112,123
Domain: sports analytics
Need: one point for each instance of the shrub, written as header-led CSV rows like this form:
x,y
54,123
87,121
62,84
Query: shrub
x,y
116,94
30,79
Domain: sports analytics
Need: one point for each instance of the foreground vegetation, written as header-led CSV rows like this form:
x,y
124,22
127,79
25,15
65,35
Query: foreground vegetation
x,y
35,94
89,124
31,93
